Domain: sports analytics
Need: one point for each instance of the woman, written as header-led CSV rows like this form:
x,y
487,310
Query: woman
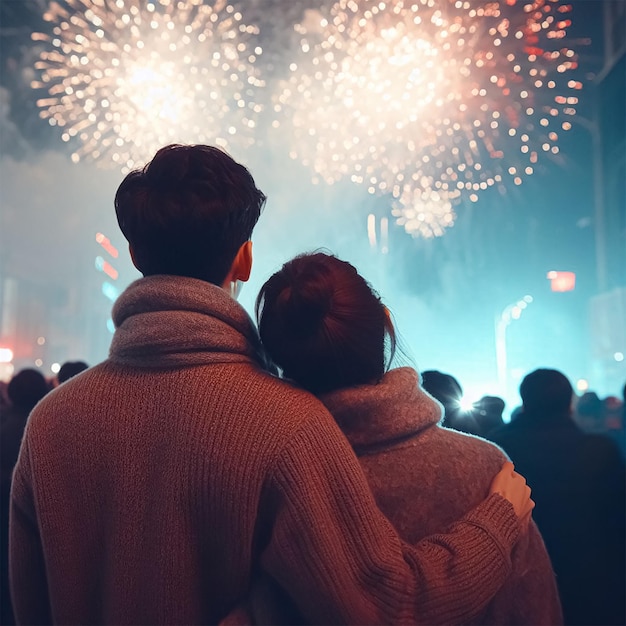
x,y
329,332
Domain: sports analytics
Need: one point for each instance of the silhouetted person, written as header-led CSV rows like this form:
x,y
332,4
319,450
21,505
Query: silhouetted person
x,y
23,392
69,369
488,415
4,399
613,421
565,466
589,412
590,404
447,389
622,432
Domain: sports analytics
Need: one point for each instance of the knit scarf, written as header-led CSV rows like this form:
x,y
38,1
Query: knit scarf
x,y
375,416
173,321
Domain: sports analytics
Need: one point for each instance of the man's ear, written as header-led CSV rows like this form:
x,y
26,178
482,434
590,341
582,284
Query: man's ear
x,y
241,266
132,257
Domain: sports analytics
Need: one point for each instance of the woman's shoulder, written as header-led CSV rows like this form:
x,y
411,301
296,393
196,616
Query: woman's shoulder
x,y
470,446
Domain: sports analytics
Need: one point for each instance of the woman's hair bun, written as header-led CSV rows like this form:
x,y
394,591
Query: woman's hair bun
x,y
323,324
306,300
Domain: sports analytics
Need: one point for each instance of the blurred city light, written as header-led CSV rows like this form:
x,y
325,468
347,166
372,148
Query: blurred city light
x,y
561,281
582,385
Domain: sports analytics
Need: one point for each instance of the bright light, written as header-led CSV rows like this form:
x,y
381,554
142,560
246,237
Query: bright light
x,y
582,385
38,362
107,245
371,229
619,356
55,367
6,371
110,291
6,355
466,404
562,281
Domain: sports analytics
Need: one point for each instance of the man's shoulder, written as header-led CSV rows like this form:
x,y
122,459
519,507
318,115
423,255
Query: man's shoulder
x,y
277,396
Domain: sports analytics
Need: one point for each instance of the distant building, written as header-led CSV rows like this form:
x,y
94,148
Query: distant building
x,y
611,118
608,307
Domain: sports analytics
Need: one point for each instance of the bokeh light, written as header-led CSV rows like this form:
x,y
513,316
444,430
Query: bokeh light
x,y
429,102
125,77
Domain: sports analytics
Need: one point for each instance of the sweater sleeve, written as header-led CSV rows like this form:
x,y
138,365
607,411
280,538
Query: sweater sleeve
x,y
27,569
530,594
340,560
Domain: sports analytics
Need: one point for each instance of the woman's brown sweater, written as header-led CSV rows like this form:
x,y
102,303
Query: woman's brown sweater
x,y
424,477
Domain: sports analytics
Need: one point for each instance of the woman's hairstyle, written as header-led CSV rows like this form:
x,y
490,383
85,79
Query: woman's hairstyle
x,y
188,212
323,324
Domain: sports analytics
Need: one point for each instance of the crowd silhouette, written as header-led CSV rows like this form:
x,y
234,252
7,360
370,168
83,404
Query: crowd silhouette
x,y
566,466
17,400
214,470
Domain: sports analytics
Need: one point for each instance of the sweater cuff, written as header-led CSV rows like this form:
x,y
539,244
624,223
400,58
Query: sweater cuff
x,y
497,517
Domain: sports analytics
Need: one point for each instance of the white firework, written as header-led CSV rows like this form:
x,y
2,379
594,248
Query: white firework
x,y
125,77
431,102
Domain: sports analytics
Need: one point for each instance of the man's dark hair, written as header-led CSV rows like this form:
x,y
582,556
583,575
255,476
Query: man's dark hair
x,y
546,391
323,324
188,212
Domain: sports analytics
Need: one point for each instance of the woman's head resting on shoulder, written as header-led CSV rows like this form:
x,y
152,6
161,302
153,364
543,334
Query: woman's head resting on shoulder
x,y
323,324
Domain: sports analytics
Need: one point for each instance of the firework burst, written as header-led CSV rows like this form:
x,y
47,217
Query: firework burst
x,y
430,101
125,77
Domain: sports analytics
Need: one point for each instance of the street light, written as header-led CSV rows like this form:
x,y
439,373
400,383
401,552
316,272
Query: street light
x,y
511,312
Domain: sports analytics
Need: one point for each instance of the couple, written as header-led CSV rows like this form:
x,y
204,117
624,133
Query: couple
x,y
158,486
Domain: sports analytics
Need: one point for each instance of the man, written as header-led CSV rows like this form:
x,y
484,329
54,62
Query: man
x,y
152,487
578,483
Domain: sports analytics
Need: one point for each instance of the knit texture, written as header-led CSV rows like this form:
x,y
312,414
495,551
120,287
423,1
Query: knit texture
x,y
150,488
424,476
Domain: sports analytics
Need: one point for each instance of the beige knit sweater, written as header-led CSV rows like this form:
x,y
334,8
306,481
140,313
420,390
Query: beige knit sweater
x,y
150,488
